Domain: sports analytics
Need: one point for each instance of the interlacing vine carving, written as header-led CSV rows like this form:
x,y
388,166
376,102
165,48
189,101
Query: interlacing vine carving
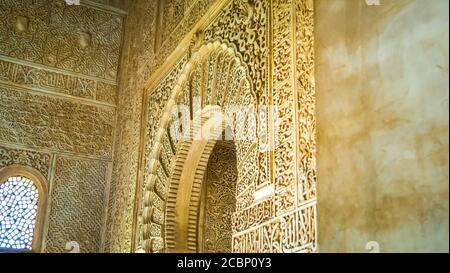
x,y
199,78
38,160
220,198
51,33
69,126
77,207
255,54
58,94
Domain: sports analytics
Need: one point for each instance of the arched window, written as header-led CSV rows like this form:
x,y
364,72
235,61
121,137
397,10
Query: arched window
x,y
23,198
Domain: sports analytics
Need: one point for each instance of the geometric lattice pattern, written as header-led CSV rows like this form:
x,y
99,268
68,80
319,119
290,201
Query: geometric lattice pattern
x,y
77,205
220,202
18,209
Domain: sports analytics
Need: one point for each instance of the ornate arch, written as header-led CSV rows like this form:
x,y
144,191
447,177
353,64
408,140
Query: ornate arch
x,y
41,184
187,179
216,74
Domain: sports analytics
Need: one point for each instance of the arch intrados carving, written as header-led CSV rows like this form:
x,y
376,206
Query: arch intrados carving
x,y
166,117
171,203
187,178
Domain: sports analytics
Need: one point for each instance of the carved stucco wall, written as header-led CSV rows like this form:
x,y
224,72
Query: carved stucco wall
x,y
274,41
227,84
219,199
137,50
140,58
49,33
58,90
77,208
382,101
117,5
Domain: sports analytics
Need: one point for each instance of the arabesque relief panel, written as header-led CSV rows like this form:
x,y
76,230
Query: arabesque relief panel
x,y
42,121
45,80
219,199
269,69
141,56
77,205
58,95
37,160
137,51
73,38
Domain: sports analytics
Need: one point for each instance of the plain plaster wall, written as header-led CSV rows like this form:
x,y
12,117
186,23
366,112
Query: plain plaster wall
x,y
382,114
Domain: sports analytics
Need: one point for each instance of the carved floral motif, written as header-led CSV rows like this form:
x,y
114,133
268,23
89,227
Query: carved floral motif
x,y
77,206
58,124
52,33
37,160
271,63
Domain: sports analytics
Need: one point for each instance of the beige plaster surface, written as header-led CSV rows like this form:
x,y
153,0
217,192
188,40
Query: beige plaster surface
x,y
382,116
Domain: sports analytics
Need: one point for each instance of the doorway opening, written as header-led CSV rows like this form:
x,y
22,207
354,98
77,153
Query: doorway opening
x,y
218,200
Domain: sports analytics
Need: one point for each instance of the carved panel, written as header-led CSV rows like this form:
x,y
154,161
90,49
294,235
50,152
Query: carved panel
x,y
58,67
173,13
294,232
244,23
57,124
246,198
299,230
39,161
199,77
253,215
77,205
31,77
284,100
263,239
138,62
158,98
306,150
139,45
179,31
74,38
123,184
106,92
279,223
220,199
138,49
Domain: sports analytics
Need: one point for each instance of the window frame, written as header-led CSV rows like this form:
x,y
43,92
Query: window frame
x,y
42,185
